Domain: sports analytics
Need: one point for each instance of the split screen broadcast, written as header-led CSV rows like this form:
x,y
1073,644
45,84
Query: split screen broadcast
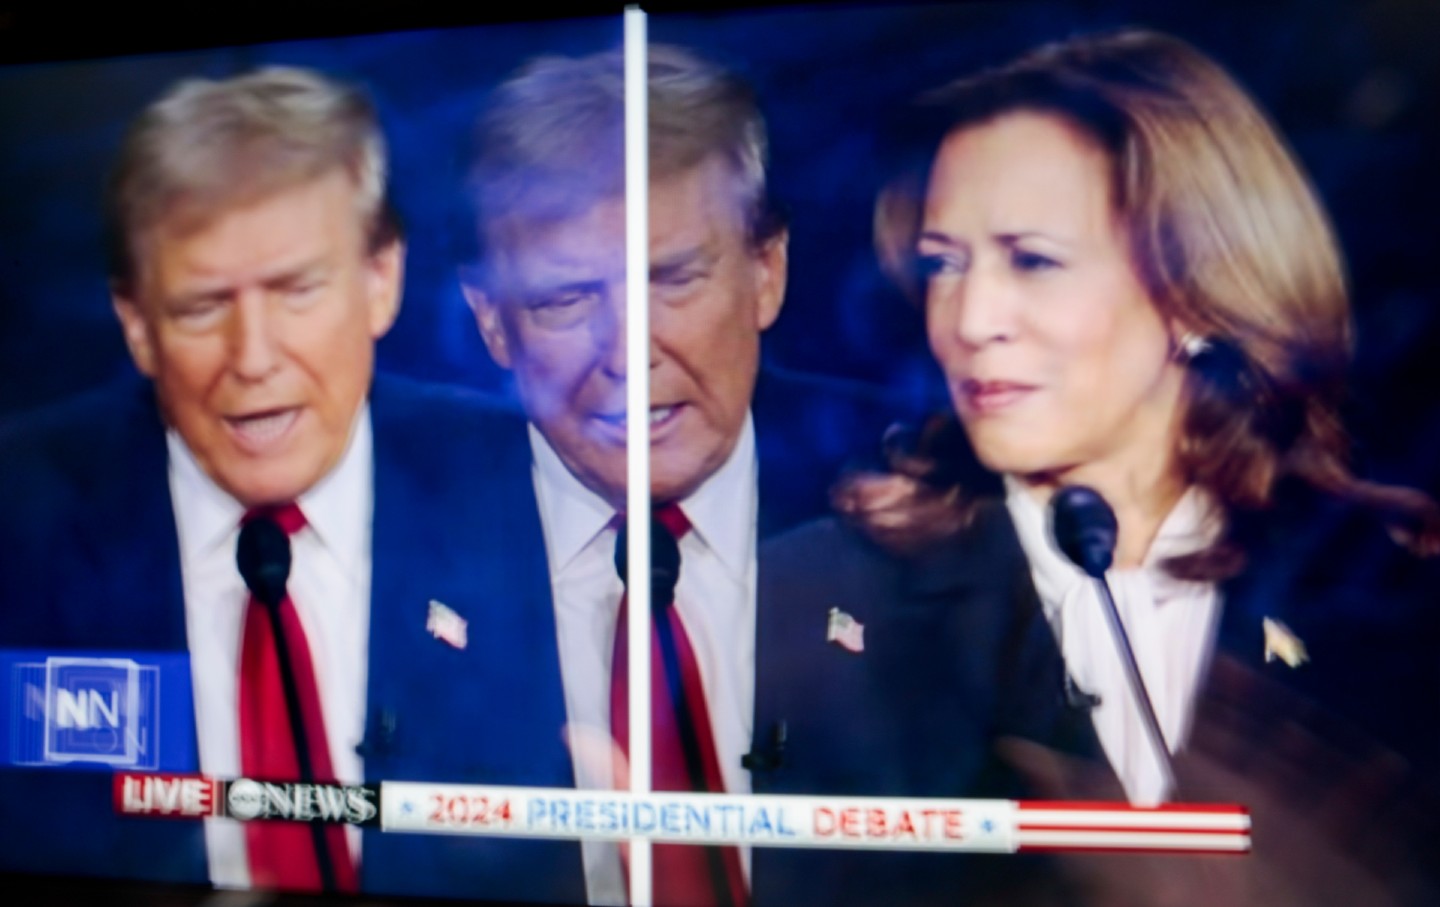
x,y
1042,431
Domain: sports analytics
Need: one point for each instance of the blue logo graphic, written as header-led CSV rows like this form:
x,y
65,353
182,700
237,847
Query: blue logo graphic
x,y
98,710
101,710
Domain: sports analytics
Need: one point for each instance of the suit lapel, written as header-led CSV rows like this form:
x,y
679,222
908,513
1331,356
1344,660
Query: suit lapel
x,y
1240,634
126,495
781,504
770,712
807,430
456,523
1265,591
1035,700
127,492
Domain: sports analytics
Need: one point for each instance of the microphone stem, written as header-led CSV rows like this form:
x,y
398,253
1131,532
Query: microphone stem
x,y
685,724
1137,682
302,743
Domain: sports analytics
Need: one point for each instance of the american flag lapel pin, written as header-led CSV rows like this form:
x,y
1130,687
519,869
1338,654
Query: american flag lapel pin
x,y
845,631
1282,643
445,625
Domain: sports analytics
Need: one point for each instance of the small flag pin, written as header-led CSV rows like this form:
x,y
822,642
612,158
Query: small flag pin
x,y
845,631
1281,643
445,625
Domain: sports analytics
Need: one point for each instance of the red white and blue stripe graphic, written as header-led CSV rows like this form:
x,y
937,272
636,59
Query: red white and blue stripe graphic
x,y
885,823
1112,827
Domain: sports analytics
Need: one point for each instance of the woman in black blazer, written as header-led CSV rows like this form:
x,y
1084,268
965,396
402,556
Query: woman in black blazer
x,y
1129,284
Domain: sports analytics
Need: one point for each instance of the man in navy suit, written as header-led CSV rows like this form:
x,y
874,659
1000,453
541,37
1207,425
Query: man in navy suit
x,y
743,454
255,264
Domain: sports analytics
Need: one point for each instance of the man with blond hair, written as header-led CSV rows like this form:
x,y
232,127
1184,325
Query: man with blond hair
x,y
737,455
254,265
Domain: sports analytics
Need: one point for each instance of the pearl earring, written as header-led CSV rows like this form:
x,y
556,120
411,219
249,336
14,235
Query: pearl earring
x,y
1190,345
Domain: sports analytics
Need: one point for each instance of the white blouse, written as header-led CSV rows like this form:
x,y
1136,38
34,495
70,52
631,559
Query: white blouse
x,y
1172,625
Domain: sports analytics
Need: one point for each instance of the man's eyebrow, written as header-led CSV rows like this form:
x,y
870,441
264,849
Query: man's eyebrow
x,y
551,288
296,273
188,298
221,290
701,255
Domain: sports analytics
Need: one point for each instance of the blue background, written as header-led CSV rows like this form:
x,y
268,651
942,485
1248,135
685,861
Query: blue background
x,y
171,726
1354,88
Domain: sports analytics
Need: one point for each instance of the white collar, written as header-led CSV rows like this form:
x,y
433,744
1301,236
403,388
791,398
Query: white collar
x,y
571,513
1191,524
337,508
721,511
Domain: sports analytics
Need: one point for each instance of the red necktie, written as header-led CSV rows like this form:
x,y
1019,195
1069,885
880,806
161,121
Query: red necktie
x,y
282,855
685,875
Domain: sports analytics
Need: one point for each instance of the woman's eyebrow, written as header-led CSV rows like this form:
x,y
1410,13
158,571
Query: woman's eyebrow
x,y
937,236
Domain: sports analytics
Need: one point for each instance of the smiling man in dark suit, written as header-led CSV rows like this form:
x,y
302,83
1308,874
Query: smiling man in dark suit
x,y
255,265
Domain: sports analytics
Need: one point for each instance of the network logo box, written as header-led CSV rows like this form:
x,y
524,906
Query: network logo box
x,y
102,710
112,711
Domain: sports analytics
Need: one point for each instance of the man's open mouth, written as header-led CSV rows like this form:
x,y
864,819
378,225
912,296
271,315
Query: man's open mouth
x,y
259,430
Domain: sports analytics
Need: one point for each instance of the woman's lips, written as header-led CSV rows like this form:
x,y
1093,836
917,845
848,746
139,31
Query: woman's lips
x,y
989,397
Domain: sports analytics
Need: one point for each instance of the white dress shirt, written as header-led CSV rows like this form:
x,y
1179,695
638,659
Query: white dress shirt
x,y
1172,625
330,586
715,598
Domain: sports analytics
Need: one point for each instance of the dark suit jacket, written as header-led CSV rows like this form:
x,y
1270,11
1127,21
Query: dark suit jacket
x,y
957,654
1367,610
951,661
905,717
1368,613
452,479
91,560
842,732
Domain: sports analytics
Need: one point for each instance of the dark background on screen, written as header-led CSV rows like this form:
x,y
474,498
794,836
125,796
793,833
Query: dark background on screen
x,y
1354,88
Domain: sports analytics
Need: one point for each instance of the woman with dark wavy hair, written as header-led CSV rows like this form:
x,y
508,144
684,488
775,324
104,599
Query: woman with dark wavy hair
x,y
1129,284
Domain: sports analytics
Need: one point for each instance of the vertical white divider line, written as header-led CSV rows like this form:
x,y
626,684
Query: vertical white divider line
x,y
637,422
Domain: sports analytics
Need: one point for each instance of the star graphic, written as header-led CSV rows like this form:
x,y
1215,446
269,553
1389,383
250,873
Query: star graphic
x,y
987,825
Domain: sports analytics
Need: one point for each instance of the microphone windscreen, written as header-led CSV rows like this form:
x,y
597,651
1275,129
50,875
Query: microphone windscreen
x,y
1085,528
664,561
263,556
664,564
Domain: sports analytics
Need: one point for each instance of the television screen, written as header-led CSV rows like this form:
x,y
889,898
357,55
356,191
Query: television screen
x,y
1042,437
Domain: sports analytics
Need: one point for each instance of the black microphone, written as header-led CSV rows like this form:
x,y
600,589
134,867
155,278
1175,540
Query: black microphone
x,y
1085,530
1077,698
664,562
379,735
770,755
664,574
263,556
